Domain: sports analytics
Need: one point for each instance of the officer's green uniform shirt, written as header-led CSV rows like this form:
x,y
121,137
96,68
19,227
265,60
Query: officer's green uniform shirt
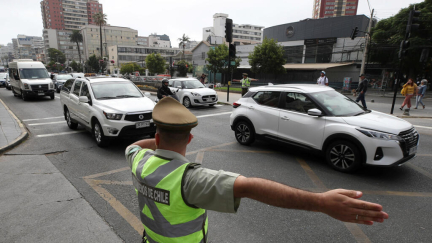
x,y
245,82
203,188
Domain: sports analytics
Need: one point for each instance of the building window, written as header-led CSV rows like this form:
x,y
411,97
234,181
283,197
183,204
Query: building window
x,y
202,55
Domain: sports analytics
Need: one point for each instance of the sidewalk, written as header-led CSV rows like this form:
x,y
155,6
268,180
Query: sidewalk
x,y
38,203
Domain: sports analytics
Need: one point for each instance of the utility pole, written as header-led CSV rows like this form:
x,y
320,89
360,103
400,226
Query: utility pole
x,y
366,44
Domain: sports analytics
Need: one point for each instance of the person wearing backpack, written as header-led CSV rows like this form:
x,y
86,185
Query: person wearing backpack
x,y
323,80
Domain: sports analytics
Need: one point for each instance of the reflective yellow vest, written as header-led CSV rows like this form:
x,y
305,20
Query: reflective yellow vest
x,y
165,215
245,82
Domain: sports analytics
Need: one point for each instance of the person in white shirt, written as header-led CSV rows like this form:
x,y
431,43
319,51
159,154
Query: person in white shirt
x,y
323,80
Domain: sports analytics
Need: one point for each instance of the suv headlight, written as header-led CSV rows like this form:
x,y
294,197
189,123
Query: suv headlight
x,y
379,135
195,94
26,86
113,116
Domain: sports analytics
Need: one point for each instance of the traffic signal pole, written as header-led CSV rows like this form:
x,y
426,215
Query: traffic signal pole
x,y
228,38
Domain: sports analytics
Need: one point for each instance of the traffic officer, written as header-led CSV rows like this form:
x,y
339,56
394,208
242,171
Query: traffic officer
x,y
245,82
174,194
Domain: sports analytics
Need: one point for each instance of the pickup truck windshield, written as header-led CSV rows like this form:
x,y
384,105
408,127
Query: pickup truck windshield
x,y
33,73
115,90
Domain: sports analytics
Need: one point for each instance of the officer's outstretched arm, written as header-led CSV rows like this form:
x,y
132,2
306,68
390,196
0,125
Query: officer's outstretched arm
x,y
340,204
146,143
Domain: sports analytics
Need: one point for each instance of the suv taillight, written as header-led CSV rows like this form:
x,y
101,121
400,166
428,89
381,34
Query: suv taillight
x,y
235,105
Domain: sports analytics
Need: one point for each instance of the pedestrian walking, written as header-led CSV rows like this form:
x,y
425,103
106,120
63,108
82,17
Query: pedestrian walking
x,y
202,78
245,82
409,90
362,89
323,80
421,93
174,194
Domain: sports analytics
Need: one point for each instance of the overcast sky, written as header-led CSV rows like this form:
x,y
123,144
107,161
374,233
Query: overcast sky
x,y
177,17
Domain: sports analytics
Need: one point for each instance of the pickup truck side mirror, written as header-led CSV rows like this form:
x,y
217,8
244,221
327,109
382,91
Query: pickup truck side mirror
x,y
83,99
314,112
147,94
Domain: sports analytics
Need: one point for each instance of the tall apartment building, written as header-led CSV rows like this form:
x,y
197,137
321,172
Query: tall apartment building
x,y
7,52
68,14
111,35
334,8
242,33
60,40
27,47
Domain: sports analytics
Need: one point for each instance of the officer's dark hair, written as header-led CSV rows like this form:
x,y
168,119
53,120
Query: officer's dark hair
x,y
173,137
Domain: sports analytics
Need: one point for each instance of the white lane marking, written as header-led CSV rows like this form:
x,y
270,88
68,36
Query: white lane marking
x,y
57,134
46,123
218,105
57,97
423,127
43,118
217,114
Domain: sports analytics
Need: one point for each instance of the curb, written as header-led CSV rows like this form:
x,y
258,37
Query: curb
x,y
223,103
22,137
429,117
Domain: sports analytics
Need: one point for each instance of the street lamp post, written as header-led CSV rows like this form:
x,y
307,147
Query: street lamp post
x,y
105,47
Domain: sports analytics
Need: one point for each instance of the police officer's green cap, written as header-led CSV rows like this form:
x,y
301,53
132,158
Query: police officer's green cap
x,y
169,114
245,74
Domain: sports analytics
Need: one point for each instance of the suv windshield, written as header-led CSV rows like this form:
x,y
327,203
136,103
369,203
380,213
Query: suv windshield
x,y
3,75
115,90
63,77
193,84
338,104
34,73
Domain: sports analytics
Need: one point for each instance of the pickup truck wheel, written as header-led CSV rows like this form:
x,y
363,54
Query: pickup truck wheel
x,y
343,156
70,123
13,92
187,102
244,133
52,96
99,137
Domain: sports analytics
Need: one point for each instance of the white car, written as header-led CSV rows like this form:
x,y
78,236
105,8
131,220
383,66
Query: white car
x,y
318,118
192,92
108,107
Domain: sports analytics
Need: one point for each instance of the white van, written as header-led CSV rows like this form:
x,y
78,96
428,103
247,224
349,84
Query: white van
x,y
30,78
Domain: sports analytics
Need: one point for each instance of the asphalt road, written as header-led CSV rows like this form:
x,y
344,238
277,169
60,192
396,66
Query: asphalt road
x,y
102,177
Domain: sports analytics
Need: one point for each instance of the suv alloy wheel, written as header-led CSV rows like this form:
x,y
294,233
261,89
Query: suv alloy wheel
x,y
70,123
99,136
244,133
187,102
343,156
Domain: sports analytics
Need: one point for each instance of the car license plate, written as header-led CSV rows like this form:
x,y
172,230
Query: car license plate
x,y
413,150
142,124
41,93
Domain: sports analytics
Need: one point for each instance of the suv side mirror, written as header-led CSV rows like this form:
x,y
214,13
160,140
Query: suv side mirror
x,y
314,112
83,99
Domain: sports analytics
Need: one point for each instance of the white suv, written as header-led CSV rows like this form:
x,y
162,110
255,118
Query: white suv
x,y
318,118
108,107
192,92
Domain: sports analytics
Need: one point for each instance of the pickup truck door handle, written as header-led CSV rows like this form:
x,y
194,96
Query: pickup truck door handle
x,y
285,118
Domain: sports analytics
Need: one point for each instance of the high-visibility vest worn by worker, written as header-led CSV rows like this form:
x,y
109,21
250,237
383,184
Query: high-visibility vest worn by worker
x,y
245,83
165,215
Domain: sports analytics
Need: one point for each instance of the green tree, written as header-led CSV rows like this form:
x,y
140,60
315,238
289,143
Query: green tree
x,y
77,37
267,58
94,64
74,66
131,67
216,58
184,67
100,19
182,43
388,34
155,63
56,55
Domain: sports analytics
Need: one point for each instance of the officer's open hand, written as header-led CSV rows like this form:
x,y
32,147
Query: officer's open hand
x,y
345,206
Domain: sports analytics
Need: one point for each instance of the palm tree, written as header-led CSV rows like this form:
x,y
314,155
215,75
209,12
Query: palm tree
x,y
183,40
100,19
77,37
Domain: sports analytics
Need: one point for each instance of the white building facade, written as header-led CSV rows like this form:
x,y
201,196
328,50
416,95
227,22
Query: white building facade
x,y
243,34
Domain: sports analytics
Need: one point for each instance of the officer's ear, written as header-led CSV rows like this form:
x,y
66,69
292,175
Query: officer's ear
x,y
157,139
191,136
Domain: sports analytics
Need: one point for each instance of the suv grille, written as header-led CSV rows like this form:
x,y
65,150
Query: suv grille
x,y
209,97
410,138
136,117
37,87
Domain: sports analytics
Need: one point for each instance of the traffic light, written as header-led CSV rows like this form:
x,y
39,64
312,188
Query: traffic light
x,y
228,30
413,21
405,44
232,50
354,33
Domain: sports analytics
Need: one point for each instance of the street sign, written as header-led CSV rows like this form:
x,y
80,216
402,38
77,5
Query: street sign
x,y
233,63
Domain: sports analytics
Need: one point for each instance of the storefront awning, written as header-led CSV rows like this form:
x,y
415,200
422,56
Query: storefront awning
x,y
315,66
